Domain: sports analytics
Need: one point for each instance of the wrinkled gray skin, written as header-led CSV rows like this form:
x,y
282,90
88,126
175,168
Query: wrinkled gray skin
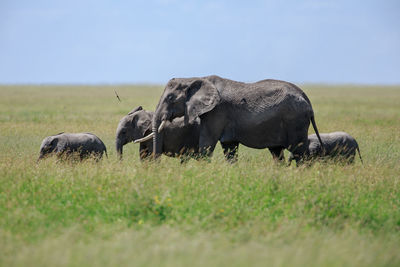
x,y
337,145
179,140
64,144
266,114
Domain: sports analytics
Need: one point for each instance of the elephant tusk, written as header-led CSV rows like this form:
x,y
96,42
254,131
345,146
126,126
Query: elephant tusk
x,y
161,126
150,136
144,139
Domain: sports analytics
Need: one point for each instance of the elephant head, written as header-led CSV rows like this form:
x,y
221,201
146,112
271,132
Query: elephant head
x,y
133,126
48,146
188,97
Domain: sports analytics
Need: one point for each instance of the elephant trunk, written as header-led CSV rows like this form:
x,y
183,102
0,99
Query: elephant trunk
x,y
41,156
156,137
119,148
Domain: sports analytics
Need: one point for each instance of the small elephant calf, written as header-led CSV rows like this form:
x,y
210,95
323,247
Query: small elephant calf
x,y
64,144
337,145
180,139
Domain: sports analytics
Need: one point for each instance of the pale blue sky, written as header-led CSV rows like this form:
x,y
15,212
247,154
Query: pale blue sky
x,y
152,41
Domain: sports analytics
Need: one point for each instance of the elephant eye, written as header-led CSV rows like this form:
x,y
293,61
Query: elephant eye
x,y
170,97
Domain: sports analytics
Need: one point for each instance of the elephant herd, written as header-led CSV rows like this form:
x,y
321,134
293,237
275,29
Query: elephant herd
x,y
193,114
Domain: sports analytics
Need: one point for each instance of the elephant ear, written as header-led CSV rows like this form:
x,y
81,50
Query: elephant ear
x,y
53,142
135,109
145,127
202,97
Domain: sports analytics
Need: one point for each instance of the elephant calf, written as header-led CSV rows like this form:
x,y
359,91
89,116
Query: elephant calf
x,y
65,144
180,140
337,145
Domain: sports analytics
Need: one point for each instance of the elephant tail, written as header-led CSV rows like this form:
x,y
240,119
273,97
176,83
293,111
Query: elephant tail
x,y
359,154
313,122
317,133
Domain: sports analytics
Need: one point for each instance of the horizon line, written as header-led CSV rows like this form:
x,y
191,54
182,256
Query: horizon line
x,y
162,84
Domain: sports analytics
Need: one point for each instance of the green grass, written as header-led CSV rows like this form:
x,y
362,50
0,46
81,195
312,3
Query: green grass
x,y
200,213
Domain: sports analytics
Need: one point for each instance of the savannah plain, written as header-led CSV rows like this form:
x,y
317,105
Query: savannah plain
x,y
251,213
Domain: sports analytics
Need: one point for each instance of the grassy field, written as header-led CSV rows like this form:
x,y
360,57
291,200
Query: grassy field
x,y
201,213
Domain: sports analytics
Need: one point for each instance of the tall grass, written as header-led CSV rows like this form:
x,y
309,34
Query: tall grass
x,y
200,213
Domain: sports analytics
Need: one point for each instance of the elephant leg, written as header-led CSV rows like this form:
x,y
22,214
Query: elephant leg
x,y
277,153
207,142
349,157
210,131
144,152
206,146
298,145
230,151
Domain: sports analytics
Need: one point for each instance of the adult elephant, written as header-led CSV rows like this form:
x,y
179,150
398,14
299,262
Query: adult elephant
x,y
179,139
266,114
